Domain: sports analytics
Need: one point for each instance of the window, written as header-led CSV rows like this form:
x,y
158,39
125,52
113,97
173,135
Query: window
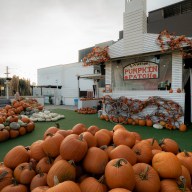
x,y
179,8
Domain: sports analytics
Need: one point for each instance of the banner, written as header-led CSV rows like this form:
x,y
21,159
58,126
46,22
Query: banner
x,y
141,70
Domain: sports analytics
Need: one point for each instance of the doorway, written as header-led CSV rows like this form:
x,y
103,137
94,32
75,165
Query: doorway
x,y
187,89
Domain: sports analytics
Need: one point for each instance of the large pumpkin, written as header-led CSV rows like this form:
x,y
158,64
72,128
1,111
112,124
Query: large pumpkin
x,y
73,147
186,159
119,190
170,185
95,160
36,149
44,164
63,170
79,128
124,137
92,184
67,186
51,144
38,180
16,156
147,179
5,176
119,174
123,151
169,145
167,165
143,152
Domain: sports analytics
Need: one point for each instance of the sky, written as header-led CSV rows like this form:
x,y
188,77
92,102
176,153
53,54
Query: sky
x,y
41,33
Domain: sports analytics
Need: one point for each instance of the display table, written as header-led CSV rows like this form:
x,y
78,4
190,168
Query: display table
x,y
88,102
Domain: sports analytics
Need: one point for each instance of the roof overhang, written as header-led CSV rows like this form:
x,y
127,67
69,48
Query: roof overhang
x,y
92,76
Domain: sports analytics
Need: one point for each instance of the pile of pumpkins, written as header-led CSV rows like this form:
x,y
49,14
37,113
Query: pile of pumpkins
x,y
14,118
91,159
86,110
14,126
143,122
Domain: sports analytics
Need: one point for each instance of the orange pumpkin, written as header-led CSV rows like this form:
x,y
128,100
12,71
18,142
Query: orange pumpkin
x,y
123,151
67,172
75,142
16,156
92,184
182,127
119,173
124,137
147,179
95,161
68,186
167,165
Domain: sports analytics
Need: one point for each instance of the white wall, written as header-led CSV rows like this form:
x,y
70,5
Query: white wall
x,y
50,75
65,76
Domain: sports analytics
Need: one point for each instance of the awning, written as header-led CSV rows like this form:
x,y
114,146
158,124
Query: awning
x,y
92,76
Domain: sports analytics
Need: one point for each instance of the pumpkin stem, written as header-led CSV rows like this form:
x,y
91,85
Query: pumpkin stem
x,y
72,162
153,141
81,137
103,147
143,175
3,174
39,171
119,161
57,125
101,179
182,185
161,142
14,181
50,134
49,160
186,153
56,180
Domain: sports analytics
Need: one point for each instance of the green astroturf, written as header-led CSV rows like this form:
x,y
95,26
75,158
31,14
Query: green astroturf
x,y
72,118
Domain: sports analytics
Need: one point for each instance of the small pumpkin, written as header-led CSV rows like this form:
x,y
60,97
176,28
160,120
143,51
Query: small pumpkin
x,y
182,127
14,125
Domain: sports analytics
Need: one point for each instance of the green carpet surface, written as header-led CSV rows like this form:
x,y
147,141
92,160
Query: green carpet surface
x,y
72,118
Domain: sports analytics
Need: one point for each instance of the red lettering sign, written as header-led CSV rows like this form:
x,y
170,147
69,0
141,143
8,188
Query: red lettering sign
x,y
141,70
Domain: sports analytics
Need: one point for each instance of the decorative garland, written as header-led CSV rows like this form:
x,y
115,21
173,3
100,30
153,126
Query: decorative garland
x,y
162,109
166,39
97,56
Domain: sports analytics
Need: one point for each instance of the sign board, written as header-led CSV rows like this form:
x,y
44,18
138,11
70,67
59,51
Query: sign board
x,y
141,70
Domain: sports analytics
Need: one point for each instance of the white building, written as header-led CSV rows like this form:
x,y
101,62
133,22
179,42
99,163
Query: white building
x,y
60,82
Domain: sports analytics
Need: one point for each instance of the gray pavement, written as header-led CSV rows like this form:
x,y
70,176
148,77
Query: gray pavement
x,y
69,107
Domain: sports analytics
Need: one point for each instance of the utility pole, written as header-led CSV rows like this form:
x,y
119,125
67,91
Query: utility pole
x,y
7,82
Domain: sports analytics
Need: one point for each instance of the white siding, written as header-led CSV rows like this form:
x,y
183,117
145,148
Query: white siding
x,y
150,43
116,50
50,75
108,71
177,71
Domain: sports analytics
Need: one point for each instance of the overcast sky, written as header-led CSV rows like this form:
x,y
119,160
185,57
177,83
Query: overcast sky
x,y
40,33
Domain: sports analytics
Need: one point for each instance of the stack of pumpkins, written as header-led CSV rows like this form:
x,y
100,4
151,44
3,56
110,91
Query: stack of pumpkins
x,y
14,126
96,160
86,110
143,122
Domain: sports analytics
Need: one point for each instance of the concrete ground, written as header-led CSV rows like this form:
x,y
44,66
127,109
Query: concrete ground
x,y
50,107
